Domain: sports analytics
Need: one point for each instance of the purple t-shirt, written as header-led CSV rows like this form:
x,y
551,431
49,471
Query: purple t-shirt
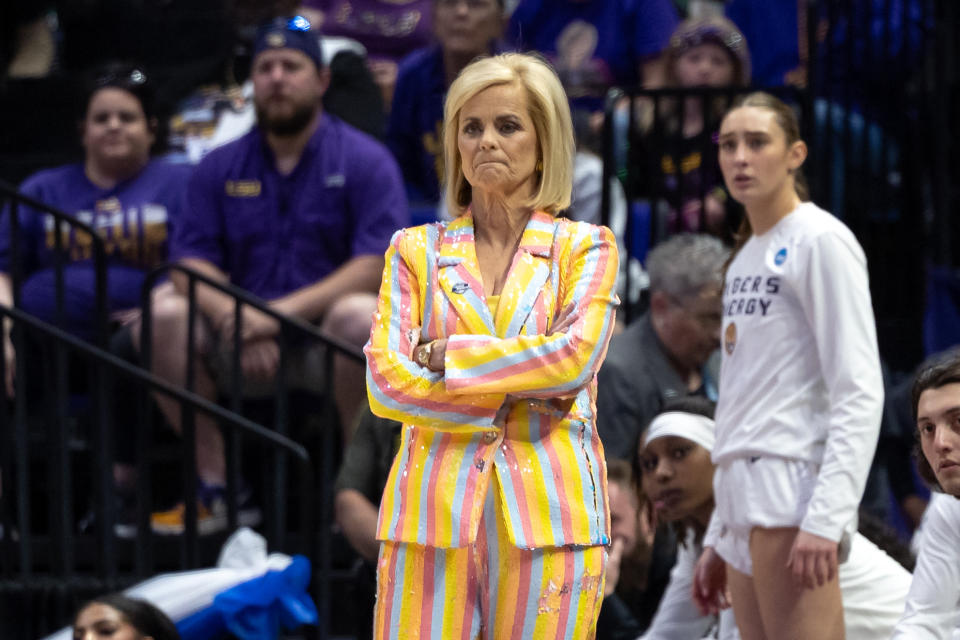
x,y
274,234
389,30
593,44
134,219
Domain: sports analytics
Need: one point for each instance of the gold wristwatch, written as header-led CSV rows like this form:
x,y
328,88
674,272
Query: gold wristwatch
x,y
423,356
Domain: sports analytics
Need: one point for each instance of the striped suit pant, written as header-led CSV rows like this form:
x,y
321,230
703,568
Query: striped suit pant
x,y
490,589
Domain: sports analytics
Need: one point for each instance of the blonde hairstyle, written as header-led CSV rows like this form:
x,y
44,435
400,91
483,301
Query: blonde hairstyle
x,y
548,109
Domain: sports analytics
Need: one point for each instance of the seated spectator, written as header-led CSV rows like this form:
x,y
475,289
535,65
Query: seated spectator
x,y
596,44
672,350
299,212
118,616
464,29
676,155
359,487
130,200
677,479
634,582
388,29
933,602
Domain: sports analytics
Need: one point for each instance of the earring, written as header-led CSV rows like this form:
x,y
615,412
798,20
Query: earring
x,y
540,166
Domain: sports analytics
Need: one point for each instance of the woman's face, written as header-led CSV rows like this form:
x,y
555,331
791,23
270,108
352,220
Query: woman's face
x,y
705,65
466,27
99,622
115,129
498,142
678,478
755,159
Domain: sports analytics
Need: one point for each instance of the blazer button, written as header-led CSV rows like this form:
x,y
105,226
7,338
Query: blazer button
x,y
490,437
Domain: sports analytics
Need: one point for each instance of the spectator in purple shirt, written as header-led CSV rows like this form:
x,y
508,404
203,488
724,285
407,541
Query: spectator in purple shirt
x,y
299,211
464,30
128,198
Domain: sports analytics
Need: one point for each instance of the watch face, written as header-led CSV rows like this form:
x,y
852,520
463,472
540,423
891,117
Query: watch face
x,y
422,356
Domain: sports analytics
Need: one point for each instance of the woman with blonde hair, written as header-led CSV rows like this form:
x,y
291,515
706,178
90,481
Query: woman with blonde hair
x,y
486,342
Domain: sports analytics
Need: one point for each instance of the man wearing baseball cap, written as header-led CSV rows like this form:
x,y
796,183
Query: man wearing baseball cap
x,y
299,211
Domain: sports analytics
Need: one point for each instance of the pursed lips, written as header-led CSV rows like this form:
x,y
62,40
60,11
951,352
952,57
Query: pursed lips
x,y
664,498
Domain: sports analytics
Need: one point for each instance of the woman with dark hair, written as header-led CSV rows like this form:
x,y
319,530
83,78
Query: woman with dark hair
x,y
128,198
119,617
800,391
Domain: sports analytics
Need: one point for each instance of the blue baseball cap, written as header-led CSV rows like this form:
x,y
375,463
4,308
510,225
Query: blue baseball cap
x,y
289,33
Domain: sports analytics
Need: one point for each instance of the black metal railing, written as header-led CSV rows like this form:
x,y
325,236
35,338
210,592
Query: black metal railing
x,y
293,333
58,447
68,234
883,85
34,555
671,177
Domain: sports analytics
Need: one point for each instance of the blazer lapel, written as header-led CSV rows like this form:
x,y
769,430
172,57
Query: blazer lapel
x,y
528,275
459,276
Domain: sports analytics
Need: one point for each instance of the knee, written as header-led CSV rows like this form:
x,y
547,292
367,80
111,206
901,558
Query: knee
x,y
350,317
168,313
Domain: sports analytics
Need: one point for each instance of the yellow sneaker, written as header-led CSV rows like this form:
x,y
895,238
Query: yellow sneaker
x,y
211,513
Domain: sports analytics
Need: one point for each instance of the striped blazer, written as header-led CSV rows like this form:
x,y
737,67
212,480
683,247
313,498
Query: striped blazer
x,y
513,400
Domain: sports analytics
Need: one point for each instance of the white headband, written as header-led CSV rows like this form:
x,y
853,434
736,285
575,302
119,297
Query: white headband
x,y
697,428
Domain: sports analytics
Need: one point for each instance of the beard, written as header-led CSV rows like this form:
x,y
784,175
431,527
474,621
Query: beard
x,y
286,125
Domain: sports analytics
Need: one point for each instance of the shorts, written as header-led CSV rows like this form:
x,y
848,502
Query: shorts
x,y
759,491
306,370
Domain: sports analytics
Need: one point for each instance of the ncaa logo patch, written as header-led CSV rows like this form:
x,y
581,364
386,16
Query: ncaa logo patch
x,y
781,257
730,338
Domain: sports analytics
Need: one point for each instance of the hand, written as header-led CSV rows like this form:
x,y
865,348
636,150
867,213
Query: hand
x,y
613,567
647,522
126,317
710,583
813,560
256,325
437,355
260,359
568,315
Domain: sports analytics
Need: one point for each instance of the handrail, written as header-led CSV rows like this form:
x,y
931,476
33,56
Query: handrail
x,y
258,303
107,574
99,254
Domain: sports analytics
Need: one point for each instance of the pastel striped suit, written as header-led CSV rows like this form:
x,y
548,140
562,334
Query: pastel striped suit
x,y
495,510
513,401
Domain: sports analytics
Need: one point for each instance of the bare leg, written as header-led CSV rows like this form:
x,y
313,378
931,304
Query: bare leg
x,y
745,605
789,610
169,361
349,319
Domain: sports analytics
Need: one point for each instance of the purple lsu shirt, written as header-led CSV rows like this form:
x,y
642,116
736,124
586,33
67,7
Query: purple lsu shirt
x,y
133,218
274,234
